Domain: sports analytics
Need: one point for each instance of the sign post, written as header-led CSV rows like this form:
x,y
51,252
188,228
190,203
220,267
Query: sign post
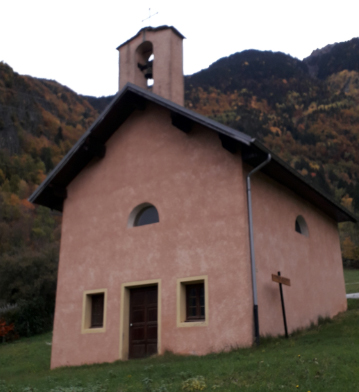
x,y
281,280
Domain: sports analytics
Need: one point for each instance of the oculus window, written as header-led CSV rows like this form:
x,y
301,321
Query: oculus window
x,y
301,226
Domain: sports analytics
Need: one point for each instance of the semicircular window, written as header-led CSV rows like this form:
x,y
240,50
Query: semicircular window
x,y
147,216
143,214
301,226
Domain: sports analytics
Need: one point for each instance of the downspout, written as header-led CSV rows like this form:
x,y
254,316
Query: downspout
x,y
251,242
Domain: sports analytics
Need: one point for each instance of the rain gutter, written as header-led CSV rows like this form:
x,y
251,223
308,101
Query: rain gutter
x,y
251,242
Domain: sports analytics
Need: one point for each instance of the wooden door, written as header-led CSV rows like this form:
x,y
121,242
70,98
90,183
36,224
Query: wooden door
x,y
143,322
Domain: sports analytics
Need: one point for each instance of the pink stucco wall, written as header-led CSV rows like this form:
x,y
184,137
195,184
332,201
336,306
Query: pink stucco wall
x,y
198,189
313,264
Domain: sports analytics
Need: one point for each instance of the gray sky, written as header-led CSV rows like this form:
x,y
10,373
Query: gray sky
x,y
74,41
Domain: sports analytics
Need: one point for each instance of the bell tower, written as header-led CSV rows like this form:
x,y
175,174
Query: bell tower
x,y
153,60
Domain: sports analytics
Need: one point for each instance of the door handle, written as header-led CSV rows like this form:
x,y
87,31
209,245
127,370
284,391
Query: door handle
x,y
131,325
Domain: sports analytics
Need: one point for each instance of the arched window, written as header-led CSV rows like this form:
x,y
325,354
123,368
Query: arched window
x,y
143,214
301,226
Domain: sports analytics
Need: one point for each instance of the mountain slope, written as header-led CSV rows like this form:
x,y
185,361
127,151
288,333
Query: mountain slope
x,y
39,122
334,58
312,124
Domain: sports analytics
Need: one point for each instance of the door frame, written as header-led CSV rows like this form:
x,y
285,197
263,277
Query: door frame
x,y
125,314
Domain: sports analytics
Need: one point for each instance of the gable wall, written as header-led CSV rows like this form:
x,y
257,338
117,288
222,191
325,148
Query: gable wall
x,y
313,264
198,189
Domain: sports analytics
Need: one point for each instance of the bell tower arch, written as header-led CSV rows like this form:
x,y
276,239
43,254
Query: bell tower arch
x,y
144,59
153,60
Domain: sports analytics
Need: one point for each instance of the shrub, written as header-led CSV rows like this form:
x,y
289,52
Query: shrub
x,y
5,330
194,384
31,317
28,281
351,263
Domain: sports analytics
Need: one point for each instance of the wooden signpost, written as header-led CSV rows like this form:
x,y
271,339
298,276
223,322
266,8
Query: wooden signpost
x,y
281,280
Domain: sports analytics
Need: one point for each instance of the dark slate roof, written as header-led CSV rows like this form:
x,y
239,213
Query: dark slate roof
x,y
164,27
290,178
52,191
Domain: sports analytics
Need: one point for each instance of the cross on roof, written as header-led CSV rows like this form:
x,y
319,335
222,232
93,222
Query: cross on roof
x,y
149,15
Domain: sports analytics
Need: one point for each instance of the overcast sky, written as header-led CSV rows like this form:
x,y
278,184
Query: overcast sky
x,y
74,41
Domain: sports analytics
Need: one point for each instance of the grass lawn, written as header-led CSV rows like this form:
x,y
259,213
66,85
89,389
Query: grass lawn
x,y
351,277
322,358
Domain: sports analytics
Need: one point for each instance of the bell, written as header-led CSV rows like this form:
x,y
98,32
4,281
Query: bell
x,y
148,71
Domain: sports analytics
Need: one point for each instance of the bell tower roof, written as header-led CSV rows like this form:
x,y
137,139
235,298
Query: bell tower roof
x,y
152,29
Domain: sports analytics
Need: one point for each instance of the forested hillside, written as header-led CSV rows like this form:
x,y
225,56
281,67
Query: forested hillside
x,y
307,112
39,122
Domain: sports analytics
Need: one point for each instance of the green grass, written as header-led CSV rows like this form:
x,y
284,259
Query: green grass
x,y
351,277
322,358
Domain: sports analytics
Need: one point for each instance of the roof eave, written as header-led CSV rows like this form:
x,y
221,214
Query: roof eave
x,y
287,176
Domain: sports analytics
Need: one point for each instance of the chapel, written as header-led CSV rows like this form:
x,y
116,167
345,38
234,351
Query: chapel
x,y
173,225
